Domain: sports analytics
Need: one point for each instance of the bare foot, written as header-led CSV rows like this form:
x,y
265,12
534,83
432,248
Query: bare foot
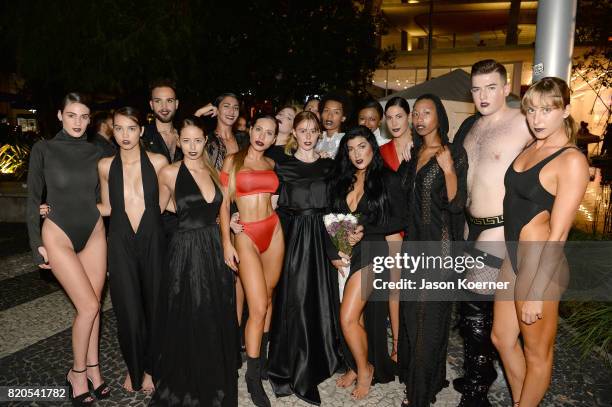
x,y
346,379
127,384
147,384
362,388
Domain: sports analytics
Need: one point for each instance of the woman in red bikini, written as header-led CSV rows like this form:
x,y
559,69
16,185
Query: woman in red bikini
x,y
248,178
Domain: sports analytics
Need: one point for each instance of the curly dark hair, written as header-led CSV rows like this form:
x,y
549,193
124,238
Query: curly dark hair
x,y
343,177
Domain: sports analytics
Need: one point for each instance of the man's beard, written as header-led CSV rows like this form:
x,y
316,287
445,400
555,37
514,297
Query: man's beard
x,y
163,119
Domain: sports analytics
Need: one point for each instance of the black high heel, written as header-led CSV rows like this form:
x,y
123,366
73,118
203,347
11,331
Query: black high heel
x,y
103,391
81,399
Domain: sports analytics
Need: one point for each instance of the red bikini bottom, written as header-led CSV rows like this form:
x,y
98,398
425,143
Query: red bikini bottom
x,y
261,231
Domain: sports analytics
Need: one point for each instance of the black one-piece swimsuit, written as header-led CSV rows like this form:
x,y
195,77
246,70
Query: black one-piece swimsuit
x,y
68,168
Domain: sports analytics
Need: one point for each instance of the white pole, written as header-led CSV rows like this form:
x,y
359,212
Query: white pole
x,y
554,39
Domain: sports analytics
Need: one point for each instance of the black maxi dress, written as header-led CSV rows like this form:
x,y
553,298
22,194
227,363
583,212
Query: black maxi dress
x,y
375,313
305,331
424,324
197,327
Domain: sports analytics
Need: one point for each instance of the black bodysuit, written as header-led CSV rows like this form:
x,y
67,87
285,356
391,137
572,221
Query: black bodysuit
x,y
525,198
68,167
135,265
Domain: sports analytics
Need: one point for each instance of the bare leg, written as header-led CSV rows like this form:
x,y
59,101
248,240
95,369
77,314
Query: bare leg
x,y
505,335
395,242
255,290
72,276
272,261
355,334
93,258
539,339
239,300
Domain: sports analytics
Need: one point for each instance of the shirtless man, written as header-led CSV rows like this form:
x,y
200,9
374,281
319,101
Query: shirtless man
x,y
492,139
136,244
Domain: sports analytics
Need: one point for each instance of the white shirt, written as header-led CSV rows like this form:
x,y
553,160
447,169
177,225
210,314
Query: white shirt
x,y
380,139
329,145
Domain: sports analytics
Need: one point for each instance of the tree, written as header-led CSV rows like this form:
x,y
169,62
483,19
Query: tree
x,y
277,50
591,29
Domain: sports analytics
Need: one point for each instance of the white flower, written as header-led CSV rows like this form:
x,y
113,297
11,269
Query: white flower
x,y
341,216
329,219
351,218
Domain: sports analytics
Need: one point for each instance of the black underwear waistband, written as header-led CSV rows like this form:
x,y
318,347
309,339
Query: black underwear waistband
x,y
487,223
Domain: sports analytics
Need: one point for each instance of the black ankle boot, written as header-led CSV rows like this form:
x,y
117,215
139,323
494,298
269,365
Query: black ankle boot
x,y
263,354
479,354
253,381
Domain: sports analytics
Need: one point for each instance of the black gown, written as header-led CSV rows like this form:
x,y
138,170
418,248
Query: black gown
x,y
424,324
196,329
135,267
375,313
305,331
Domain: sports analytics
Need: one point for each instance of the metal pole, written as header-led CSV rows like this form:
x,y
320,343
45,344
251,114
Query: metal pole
x,y
429,39
554,39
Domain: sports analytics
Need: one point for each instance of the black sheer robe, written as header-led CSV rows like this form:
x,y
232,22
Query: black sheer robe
x,y
424,324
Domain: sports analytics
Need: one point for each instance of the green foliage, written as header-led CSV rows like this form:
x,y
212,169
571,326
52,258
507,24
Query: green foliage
x,y
592,322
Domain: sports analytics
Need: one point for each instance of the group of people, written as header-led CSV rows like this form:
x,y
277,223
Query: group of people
x,y
200,223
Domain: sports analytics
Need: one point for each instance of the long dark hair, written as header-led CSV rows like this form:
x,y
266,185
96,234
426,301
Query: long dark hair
x,y
443,125
343,177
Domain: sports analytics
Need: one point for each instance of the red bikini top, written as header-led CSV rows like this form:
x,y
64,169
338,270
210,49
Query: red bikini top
x,y
249,182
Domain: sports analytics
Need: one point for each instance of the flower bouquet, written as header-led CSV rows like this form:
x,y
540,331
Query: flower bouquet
x,y
339,226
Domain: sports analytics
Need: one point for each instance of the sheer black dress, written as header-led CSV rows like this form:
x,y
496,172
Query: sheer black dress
x,y
424,324
375,313
305,331
197,328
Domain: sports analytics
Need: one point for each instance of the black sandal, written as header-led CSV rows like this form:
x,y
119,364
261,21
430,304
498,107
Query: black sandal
x,y
81,399
103,391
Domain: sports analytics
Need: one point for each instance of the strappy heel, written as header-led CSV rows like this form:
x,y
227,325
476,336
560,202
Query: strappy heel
x,y
81,399
102,391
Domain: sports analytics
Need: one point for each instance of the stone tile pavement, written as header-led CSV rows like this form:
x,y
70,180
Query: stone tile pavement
x,y
35,350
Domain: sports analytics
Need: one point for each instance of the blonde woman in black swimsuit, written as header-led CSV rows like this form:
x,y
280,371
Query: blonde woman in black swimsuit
x,y
544,187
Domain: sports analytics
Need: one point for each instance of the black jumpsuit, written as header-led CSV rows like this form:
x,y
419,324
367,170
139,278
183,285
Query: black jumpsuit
x,y
68,168
135,264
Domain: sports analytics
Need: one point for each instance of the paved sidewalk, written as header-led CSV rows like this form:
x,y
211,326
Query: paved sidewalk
x,y
35,317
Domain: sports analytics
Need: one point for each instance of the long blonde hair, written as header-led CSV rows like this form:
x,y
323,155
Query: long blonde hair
x,y
292,145
197,122
557,91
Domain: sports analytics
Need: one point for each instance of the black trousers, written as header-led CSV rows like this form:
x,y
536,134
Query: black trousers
x,y
135,265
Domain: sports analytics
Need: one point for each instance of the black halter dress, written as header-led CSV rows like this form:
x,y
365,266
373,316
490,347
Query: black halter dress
x,y
197,327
